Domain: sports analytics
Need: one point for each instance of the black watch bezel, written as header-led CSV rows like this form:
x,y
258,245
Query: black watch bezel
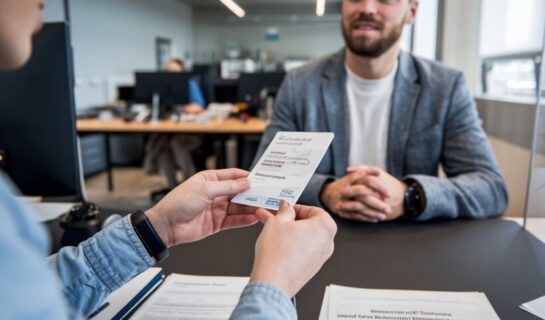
x,y
414,201
149,237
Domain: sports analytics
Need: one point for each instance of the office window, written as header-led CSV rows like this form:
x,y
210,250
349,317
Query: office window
x,y
421,37
511,75
511,41
511,26
425,30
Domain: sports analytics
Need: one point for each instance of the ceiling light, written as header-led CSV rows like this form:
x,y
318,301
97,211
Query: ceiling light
x,y
233,6
320,7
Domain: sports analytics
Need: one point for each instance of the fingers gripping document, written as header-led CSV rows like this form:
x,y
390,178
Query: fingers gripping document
x,y
285,169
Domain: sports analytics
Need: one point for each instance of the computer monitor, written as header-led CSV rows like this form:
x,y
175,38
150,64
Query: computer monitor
x,y
207,72
250,84
171,87
38,137
125,93
226,91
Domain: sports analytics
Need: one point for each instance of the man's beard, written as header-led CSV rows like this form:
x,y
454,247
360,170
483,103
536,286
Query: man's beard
x,y
363,46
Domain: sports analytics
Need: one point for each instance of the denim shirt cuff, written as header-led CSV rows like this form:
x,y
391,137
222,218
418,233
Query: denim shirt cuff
x,y
116,254
269,297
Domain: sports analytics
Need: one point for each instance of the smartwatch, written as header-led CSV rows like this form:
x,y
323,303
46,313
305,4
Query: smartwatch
x,y
414,201
149,237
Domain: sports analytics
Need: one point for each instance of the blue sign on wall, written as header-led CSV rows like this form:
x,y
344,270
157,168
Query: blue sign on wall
x,y
272,35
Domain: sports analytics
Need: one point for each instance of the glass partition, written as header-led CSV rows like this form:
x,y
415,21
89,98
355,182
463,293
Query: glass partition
x,y
535,204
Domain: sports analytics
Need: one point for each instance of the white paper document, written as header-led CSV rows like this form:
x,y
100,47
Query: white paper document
x,y
193,297
354,303
535,307
284,170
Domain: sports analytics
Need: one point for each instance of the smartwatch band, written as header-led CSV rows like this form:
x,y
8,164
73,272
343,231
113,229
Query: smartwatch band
x,y
149,237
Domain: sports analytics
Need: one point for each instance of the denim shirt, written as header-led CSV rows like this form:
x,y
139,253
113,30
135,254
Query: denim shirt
x,y
75,281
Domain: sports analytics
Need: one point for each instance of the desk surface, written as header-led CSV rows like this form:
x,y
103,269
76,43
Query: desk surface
x,y
496,257
228,126
535,226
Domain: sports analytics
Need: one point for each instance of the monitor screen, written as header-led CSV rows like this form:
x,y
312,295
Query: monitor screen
x,y
125,93
37,120
171,87
250,84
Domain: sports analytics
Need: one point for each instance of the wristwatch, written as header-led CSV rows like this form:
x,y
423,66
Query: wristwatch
x,y
414,201
149,237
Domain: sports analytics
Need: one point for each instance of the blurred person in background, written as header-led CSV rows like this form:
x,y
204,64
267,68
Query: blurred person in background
x,y
166,153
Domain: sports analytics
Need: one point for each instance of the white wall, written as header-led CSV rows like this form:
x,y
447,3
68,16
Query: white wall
x,y
461,39
113,38
301,39
53,11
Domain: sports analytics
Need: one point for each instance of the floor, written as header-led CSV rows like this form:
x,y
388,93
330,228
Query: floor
x,y
132,188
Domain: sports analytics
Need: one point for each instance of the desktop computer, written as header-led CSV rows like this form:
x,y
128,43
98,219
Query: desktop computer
x,y
250,84
251,87
169,88
38,139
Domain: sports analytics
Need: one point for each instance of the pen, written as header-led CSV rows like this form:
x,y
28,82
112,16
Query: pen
x,y
97,311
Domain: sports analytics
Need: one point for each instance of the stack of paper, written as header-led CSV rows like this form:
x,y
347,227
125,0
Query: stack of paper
x,y
535,307
193,297
215,111
353,303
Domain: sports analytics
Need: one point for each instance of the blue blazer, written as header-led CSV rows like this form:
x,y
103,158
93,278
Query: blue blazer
x,y
433,122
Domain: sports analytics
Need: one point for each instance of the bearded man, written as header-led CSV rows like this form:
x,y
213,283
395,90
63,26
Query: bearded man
x,y
397,120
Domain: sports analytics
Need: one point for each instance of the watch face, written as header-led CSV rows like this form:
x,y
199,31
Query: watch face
x,y
409,201
413,201
420,199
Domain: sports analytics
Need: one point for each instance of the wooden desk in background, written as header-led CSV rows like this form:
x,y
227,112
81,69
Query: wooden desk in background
x,y
223,128
228,126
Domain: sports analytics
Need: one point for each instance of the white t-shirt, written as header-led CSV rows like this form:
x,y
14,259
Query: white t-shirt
x,y
369,103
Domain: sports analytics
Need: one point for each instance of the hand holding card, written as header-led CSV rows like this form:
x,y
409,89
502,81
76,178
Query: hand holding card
x,y
285,169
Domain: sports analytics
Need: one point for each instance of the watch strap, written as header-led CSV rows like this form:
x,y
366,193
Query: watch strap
x,y
149,237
